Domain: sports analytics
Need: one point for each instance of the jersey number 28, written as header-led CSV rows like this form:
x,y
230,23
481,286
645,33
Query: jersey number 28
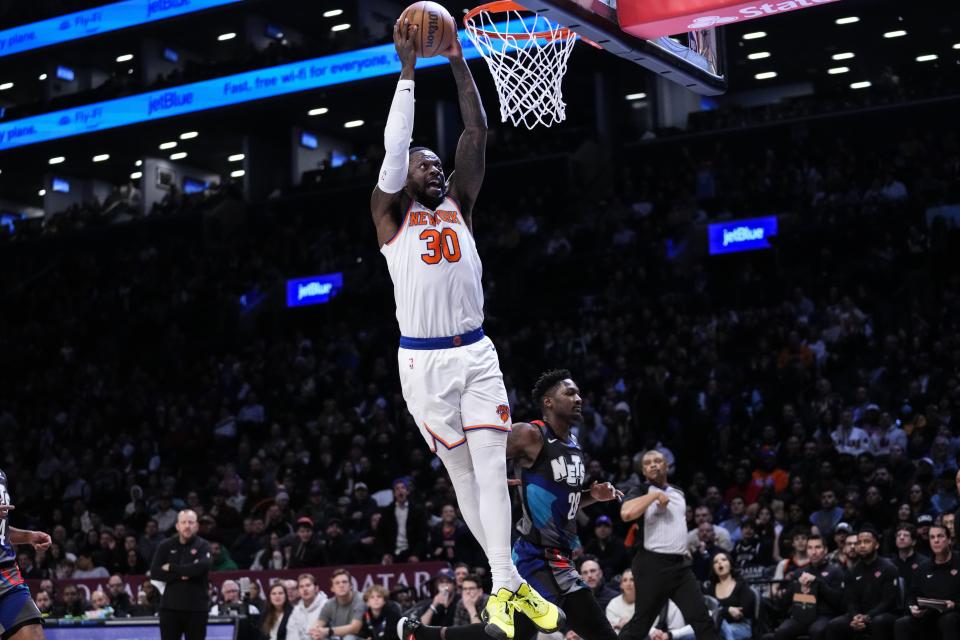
x,y
441,245
574,499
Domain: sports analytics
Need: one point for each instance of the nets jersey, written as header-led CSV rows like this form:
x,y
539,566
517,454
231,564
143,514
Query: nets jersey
x,y
7,552
551,490
436,272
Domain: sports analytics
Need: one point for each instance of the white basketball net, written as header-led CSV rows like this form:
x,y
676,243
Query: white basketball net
x,y
527,57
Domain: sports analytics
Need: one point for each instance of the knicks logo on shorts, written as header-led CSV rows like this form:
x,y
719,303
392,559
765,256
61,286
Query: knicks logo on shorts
x,y
504,412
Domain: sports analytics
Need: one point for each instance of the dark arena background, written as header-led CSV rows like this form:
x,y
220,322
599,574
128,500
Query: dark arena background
x,y
754,271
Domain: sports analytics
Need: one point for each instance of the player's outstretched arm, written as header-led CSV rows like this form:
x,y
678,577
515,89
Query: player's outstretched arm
x,y
524,443
471,149
385,200
38,539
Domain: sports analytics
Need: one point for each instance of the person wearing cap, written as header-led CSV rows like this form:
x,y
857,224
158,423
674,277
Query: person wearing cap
x,y
871,594
440,610
924,521
304,549
337,548
362,506
937,579
906,558
607,547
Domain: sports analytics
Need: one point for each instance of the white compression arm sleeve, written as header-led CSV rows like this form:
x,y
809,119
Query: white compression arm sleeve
x,y
396,140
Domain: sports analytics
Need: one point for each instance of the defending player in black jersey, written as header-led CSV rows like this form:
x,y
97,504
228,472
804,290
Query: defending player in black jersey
x,y
19,616
552,470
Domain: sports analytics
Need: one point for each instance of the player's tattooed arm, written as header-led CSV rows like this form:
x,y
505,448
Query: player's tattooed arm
x,y
472,147
524,444
38,539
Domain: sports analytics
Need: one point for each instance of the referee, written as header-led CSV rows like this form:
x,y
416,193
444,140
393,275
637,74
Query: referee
x,y
183,562
661,567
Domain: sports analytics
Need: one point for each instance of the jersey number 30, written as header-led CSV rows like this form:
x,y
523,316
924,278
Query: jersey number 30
x,y
441,245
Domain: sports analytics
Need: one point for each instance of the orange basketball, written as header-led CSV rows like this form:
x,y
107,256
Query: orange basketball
x,y
437,28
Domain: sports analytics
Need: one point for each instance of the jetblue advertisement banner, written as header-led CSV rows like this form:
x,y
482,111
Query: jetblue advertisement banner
x,y
326,71
741,235
90,22
313,289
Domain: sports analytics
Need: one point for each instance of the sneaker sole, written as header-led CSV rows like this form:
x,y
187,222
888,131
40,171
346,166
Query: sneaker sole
x,y
561,621
494,631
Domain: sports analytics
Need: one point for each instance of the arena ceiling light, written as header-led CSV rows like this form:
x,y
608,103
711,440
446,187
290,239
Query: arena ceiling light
x,y
957,46
179,155
223,37
136,175
127,57
237,157
353,124
239,173
759,55
636,96
837,70
138,163
188,135
927,57
42,192
847,20
6,85
319,111
340,27
860,85
167,145
57,160
846,55
101,157
766,75
755,35
899,33
42,76
333,13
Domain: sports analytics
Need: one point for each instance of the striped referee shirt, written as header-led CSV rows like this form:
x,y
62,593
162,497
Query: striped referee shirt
x,y
662,530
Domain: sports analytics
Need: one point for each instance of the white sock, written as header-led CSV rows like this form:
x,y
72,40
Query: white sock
x,y
460,467
488,451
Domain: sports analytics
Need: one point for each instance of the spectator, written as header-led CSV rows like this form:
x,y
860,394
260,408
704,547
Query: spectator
x,y
736,517
342,615
86,569
798,558
751,555
254,596
73,603
736,600
592,574
450,539
402,533
231,604
148,601
246,546
906,559
337,547
814,595
472,601
119,598
221,558
870,596
293,591
276,616
607,548
304,549
849,439
937,579
670,625
99,608
706,551
44,602
703,515
151,538
305,615
440,610
620,609
381,617
829,515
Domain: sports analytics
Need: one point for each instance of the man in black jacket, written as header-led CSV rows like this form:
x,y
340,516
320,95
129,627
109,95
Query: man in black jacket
x,y
872,591
814,595
608,548
183,562
936,579
402,534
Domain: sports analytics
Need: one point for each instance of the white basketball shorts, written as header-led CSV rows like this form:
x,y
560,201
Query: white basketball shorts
x,y
450,392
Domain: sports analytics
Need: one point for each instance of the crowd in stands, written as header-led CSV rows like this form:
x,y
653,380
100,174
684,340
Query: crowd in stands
x,y
801,395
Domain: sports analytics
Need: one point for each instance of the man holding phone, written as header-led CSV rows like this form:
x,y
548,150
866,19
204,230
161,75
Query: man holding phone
x,y
441,610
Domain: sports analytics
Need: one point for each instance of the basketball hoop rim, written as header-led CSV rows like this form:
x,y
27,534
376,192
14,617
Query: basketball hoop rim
x,y
503,6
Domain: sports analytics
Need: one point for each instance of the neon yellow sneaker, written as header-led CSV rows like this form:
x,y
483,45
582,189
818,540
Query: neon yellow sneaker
x,y
547,616
498,614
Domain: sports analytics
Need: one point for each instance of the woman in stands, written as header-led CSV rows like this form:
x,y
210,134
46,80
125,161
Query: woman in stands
x,y
736,600
274,620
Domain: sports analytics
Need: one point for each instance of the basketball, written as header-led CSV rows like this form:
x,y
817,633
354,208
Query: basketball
x,y
437,28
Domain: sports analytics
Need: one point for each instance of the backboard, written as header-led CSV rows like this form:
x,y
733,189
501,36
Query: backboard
x,y
693,60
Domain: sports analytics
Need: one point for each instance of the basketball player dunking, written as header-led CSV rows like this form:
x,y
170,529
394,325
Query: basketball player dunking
x,y
552,470
449,371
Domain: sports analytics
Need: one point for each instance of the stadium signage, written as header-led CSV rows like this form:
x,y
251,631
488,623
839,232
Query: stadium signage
x,y
313,289
102,19
326,71
651,20
741,235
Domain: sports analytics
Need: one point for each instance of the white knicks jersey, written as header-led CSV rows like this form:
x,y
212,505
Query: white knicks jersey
x,y
436,272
